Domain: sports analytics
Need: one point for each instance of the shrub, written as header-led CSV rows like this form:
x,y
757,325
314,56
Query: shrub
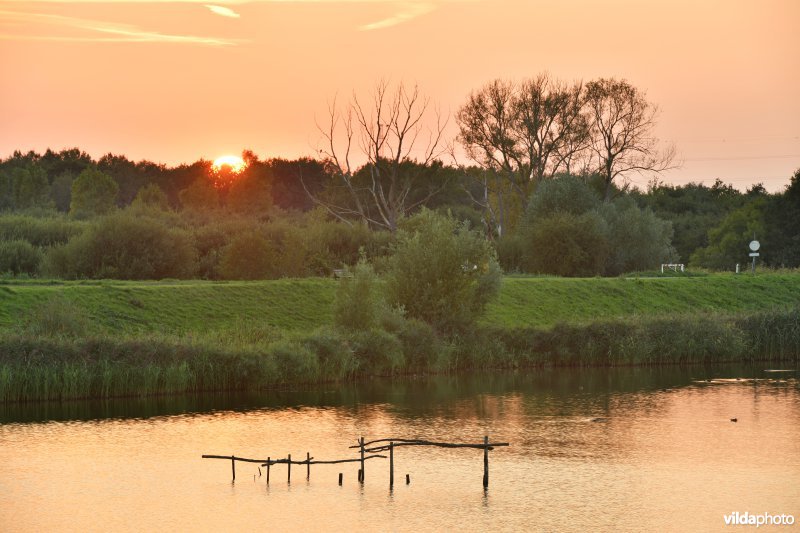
x,y
19,257
442,272
359,301
38,231
567,245
248,256
336,359
123,246
294,362
376,351
637,239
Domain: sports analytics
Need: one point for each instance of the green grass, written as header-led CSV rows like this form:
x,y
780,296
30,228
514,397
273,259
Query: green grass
x,y
98,339
206,308
544,302
177,307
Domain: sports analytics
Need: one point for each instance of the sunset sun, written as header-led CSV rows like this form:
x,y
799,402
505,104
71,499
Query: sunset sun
x,y
233,162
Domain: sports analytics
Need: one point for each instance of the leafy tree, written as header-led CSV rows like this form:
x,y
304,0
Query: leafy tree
x,y
567,244
782,219
249,194
638,240
728,241
151,197
200,196
566,194
442,272
248,256
61,191
93,193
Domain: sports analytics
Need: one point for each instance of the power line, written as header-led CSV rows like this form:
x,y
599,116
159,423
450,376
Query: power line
x,y
789,156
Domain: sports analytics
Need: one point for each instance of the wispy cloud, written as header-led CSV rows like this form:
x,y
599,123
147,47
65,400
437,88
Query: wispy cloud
x,y
223,11
108,31
408,11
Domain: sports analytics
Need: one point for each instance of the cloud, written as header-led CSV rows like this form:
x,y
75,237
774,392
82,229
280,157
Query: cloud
x,y
110,32
409,11
223,11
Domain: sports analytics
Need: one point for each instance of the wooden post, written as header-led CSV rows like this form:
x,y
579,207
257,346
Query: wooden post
x,y
340,478
360,475
289,471
408,479
308,466
391,464
268,467
361,442
486,461
233,469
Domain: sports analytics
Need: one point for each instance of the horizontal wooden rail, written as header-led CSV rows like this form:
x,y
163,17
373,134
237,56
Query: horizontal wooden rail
x,y
270,462
419,442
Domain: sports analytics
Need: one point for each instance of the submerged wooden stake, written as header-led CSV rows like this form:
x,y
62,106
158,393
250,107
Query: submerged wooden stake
x,y
268,467
308,465
233,468
289,470
391,464
340,478
408,479
486,462
362,459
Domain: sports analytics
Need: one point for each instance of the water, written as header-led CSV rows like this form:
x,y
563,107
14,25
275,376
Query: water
x,y
624,449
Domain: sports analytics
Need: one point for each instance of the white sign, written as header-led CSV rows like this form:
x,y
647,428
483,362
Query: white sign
x,y
755,245
754,254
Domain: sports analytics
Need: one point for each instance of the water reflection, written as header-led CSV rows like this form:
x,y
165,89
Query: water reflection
x,y
592,449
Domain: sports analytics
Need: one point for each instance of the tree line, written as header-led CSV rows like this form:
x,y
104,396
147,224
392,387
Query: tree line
x,y
546,184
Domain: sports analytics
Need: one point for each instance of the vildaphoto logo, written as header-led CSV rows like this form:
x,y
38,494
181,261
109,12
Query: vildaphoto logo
x,y
763,519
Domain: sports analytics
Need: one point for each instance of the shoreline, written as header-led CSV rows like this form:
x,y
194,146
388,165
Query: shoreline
x,y
64,368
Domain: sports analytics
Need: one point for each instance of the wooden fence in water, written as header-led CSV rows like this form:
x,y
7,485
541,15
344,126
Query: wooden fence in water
x,y
367,450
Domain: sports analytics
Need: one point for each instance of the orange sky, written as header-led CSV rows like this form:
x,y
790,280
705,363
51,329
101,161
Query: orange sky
x,y
176,81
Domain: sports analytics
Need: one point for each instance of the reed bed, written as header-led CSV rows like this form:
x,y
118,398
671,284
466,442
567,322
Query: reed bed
x,y
61,366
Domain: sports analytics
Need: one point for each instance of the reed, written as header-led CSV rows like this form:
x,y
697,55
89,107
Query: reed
x,y
58,366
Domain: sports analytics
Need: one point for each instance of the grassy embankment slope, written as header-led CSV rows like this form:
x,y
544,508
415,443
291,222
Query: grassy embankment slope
x,y
108,338
200,307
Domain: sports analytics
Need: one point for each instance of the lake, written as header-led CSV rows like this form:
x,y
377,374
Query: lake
x,y
635,449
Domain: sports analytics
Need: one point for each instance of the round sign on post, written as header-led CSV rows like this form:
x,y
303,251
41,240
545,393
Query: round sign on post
x,y
755,245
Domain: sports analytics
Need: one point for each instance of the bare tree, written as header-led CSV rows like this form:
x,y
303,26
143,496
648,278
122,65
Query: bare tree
x,y
392,136
622,122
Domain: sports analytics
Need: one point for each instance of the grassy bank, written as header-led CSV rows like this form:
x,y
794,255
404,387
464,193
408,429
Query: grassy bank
x,y
103,339
301,305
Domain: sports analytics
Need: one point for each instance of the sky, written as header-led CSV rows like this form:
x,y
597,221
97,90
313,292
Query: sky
x,y
176,81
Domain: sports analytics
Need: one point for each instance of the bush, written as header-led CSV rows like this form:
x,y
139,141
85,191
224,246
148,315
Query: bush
x,y
336,359
38,231
637,239
567,245
442,272
19,257
294,361
248,256
421,346
359,301
567,194
377,352
123,246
